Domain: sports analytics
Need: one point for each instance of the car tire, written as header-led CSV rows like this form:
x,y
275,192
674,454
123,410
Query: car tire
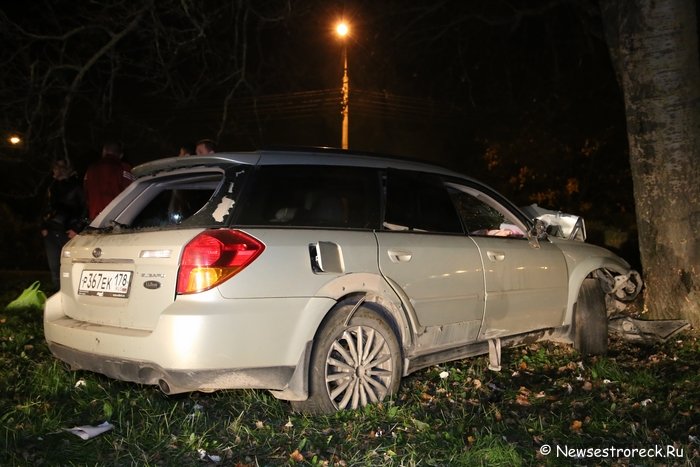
x,y
353,363
591,320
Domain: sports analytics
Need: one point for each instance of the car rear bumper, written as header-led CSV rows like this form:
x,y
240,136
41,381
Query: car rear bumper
x,y
237,343
175,381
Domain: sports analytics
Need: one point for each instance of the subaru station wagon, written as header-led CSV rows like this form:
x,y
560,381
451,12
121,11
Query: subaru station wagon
x,y
323,276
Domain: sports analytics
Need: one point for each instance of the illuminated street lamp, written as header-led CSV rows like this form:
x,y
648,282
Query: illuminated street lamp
x,y
342,30
14,140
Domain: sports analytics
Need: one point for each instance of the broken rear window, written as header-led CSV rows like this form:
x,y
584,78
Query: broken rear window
x,y
186,199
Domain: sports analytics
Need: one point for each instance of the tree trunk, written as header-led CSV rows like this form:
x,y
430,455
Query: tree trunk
x,y
654,49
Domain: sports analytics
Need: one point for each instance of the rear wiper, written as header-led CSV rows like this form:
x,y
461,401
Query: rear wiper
x,y
117,226
90,229
113,225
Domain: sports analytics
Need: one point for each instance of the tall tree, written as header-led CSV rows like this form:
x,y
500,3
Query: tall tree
x,y
654,48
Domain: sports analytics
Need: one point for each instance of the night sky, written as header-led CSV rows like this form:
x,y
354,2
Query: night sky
x,y
520,94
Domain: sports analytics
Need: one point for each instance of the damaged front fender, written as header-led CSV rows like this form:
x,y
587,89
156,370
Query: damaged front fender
x,y
624,287
619,288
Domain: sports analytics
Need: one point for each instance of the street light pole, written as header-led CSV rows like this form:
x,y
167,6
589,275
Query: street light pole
x,y
342,31
346,98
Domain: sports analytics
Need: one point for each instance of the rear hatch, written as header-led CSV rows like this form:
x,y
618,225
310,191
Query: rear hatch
x,y
122,270
122,280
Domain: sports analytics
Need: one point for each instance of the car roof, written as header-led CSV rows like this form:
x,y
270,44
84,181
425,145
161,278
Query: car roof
x,y
310,156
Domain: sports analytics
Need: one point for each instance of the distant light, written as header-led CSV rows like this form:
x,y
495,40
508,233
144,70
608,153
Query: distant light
x,y
14,139
342,29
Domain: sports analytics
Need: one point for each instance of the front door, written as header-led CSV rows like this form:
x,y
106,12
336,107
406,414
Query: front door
x,y
526,286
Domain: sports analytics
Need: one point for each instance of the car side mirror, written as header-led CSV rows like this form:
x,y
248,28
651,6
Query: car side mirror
x,y
537,232
557,223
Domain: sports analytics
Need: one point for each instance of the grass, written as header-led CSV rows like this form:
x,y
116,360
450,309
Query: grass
x,y
637,397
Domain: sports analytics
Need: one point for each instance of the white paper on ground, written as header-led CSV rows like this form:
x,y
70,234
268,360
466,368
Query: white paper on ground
x,y
89,431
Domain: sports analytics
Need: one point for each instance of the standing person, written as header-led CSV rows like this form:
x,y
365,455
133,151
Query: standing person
x,y
205,146
187,149
63,215
106,178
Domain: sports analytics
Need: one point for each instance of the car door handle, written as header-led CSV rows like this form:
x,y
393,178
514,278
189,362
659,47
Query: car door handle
x,y
399,256
495,255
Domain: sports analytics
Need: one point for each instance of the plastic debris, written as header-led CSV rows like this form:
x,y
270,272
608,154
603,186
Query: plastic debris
x,y
203,455
89,431
647,331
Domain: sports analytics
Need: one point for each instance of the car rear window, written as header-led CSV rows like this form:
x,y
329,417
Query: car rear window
x,y
312,196
202,198
175,204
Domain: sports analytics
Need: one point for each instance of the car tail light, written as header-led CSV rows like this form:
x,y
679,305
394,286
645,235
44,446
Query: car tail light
x,y
214,256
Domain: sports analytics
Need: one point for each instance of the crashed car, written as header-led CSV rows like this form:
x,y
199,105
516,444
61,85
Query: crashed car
x,y
322,276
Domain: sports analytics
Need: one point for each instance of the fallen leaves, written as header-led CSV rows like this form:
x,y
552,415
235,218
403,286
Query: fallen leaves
x,y
523,397
570,366
497,415
296,456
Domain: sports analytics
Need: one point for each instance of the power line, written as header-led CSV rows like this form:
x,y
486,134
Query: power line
x,y
326,101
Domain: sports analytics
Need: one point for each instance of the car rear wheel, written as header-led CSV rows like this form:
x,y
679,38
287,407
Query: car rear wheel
x,y
353,363
591,320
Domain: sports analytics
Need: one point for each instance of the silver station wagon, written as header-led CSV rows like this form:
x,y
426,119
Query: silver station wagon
x,y
322,276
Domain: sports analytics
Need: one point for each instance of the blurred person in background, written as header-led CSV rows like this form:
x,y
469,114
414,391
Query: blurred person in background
x,y
63,216
205,146
187,149
106,178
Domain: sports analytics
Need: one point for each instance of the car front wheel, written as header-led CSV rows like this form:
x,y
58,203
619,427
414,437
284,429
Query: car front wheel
x,y
591,320
353,363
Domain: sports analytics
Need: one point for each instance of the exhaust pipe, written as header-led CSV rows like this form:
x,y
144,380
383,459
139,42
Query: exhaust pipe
x,y
169,389
164,386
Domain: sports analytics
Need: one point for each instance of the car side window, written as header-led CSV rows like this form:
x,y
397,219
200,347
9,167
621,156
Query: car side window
x,y
419,202
312,196
483,216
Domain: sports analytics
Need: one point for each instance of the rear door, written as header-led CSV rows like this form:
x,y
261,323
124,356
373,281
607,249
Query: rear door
x,y
317,223
423,251
122,271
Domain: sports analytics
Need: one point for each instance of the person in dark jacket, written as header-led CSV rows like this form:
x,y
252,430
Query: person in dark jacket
x,y
106,178
63,216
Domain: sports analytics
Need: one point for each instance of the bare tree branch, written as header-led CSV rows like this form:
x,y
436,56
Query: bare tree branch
x,y
68,66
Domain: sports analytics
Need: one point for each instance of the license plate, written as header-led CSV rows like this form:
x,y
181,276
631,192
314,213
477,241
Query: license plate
x,y
105,283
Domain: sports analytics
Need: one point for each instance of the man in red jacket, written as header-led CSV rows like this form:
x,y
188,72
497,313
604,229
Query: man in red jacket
x,y
106,178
